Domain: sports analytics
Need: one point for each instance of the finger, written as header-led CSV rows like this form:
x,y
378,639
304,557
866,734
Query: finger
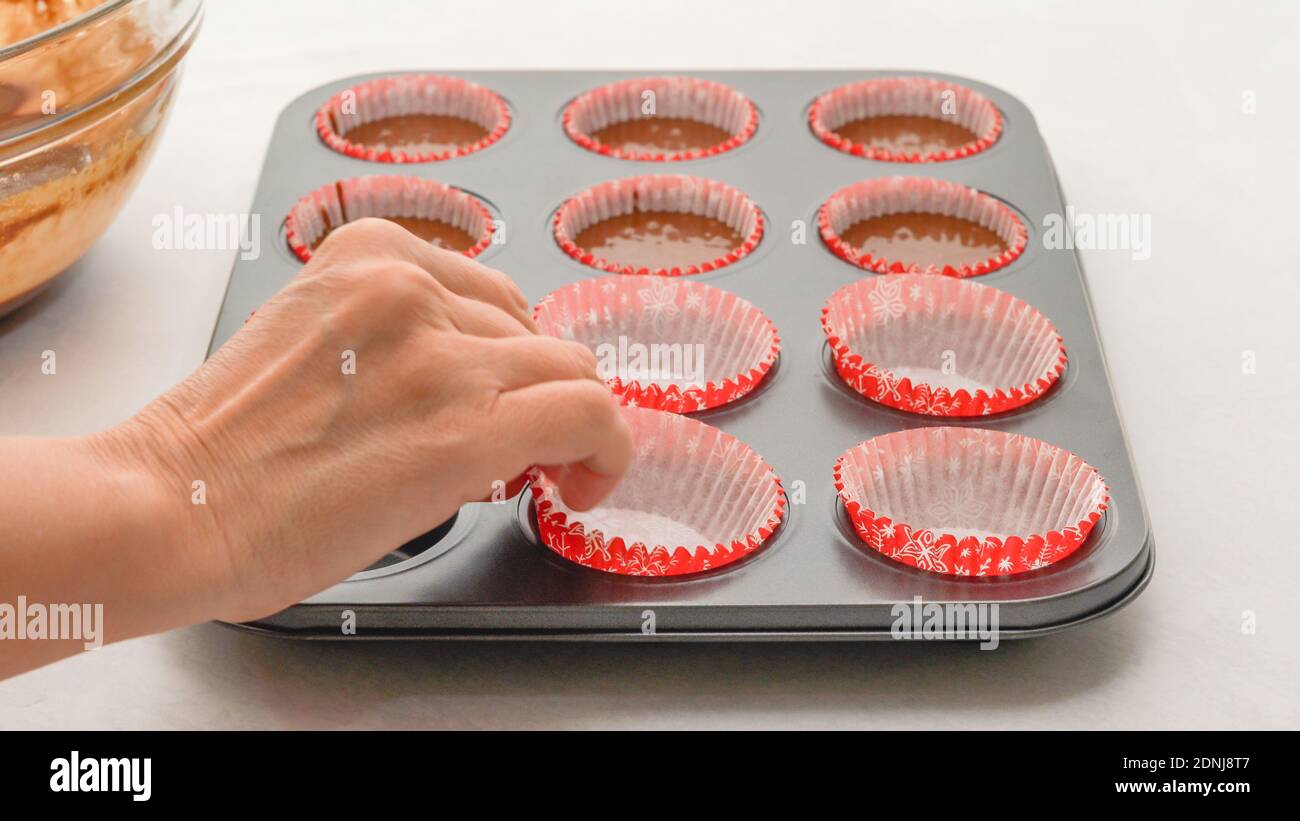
x,y
520,361
481,319
579,486
576,424
465,277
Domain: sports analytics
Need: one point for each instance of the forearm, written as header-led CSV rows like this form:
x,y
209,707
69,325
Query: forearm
x,y
386,385
89,521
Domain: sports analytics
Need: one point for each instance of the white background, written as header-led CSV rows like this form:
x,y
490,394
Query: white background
x,y
1142,107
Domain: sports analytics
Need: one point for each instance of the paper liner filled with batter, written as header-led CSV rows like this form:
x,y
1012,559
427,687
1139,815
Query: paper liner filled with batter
x,y
661,119
725,225
435,211
969,502
412,118
906,119
663,343
941,346
695,499
927,211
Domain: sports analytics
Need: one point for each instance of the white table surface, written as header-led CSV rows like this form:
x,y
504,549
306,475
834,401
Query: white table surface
x,y
1141,104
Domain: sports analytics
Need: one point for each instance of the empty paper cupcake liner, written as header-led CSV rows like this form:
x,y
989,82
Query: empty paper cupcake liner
x,y
905,96
941,346
677,193
695,499
688,98
385,196
903,195
666,344
969,502
411,94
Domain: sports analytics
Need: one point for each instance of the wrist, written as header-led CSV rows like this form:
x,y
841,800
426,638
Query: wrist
x,y
167,531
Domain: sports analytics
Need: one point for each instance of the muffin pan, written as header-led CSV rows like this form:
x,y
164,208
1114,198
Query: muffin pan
x,y
489,575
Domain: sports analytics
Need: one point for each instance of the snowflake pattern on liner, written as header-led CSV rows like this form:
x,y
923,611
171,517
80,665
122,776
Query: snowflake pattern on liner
x,y
615,555
889,301
862,472
605,308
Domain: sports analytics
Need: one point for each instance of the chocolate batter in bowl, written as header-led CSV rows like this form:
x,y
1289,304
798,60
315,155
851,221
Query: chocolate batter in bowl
x,y
85,87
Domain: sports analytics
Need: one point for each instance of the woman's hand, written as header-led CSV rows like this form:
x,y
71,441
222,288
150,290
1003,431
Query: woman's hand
x,y
389,383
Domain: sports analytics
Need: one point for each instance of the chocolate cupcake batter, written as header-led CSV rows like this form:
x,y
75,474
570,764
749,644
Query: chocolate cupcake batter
x,y
902,134
659,239
417,133
440,234
924,239
655,135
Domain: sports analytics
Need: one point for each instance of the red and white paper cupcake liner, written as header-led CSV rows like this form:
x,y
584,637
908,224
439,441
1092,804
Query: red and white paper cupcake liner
x,y
408,94
969,502
385,196
666,344
941,346
905,96
687,98
695,499
675,193
908,195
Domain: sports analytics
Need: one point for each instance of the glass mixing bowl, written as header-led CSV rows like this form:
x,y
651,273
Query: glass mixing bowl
x,y
82,105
